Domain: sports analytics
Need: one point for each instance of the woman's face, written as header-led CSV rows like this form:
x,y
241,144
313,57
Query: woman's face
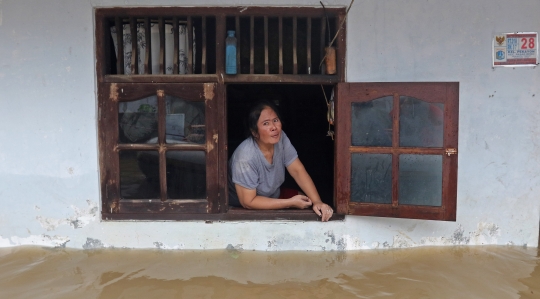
x,y
269,127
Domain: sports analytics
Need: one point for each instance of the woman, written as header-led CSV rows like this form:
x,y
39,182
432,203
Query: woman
x,y
257,168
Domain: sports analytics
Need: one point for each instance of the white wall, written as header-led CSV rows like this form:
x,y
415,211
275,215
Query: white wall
x,y
48,151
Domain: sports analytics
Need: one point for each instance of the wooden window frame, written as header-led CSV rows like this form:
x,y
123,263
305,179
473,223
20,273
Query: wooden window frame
x,y
215,209
436,92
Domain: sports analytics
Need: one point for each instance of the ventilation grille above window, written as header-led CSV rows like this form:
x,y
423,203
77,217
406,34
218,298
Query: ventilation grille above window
x,y
176,45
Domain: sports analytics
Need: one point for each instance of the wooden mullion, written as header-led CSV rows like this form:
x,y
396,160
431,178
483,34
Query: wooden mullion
x,y
119,46
221,33
162,115
212,138
308,45
110,115
395,155
252,45
341,47
295,52
238,45
322,43
148,50
280,29
176,40
203,57
342,157
190,45
266,70
450,162
134,52
162,65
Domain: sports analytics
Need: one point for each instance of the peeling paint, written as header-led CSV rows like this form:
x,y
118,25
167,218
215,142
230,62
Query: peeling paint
x,y
40,240
113,92
93,244
208,91
80,219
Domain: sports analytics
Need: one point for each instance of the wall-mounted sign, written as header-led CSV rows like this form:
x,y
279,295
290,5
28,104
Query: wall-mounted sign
x,y
515,49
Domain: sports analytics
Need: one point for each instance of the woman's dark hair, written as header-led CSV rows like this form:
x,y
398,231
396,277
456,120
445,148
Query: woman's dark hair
x,y
255,113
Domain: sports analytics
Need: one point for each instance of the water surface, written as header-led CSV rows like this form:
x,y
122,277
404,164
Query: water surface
x,y
426,272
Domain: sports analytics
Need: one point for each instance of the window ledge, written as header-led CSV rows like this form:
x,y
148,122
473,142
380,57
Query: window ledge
x,y
234,214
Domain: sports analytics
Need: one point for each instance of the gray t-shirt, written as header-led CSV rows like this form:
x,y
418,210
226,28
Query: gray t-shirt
x,y
249,168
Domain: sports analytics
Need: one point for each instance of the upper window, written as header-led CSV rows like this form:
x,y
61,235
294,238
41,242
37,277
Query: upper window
x,y
396,149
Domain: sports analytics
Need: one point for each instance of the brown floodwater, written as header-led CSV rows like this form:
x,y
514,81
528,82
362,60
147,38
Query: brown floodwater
x,y
425,272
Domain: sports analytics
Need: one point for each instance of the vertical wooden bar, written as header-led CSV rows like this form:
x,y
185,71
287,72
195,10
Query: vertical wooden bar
x,y
395,155
295,34
221,115
162,116
342,156
238,45
323,42
252,45
280,45
221,34
266,71
161,46
110,120
340,44
190,45
308,45
203,58
148,51
119,46
134,54
176,46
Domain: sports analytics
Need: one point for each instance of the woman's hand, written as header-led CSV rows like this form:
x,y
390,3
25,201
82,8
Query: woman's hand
x,y
323,210
301,201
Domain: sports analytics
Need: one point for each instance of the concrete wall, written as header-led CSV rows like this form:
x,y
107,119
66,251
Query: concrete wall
x,y
48,151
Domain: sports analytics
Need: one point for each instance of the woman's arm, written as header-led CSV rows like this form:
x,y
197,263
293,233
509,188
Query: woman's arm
x,y
302,178
250,200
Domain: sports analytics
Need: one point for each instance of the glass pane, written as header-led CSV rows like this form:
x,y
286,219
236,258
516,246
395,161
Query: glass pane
x,y
371,123
420,123
186,174
371,178
420,180
139,175
184,121
137,121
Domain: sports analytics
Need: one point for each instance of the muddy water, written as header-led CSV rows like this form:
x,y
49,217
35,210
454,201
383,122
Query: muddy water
x,y
427,272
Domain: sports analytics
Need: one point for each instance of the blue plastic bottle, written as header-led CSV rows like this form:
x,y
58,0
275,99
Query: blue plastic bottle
x,y
230,53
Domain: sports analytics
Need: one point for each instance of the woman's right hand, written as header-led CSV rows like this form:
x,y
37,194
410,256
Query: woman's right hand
x,y
301,201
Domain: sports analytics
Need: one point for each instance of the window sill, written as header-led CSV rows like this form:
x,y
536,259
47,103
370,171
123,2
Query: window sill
x,y
234,214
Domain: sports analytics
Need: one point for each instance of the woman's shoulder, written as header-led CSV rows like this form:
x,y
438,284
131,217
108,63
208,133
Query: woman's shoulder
x,y
246,149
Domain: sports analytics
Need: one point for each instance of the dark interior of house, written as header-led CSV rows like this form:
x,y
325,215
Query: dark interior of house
x,y
303,111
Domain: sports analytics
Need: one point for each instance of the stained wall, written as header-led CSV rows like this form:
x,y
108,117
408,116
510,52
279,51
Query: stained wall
x,y
49,172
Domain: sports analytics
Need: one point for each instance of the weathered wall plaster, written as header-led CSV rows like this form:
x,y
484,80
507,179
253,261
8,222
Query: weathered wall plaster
x,y
49,184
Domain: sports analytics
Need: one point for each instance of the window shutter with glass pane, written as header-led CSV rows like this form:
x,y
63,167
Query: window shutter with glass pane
x,y
396,149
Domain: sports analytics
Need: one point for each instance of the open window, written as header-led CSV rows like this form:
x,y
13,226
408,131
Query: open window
x,y
164,109
396,150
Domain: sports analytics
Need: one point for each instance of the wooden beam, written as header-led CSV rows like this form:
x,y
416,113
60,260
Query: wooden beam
x,y
119,46
134,52
176,40
162,65
190,45
148,50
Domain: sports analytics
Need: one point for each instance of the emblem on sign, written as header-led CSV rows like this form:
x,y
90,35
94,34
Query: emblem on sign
x,y
500,55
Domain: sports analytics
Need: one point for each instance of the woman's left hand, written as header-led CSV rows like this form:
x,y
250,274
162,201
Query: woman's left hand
x,y
323,210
